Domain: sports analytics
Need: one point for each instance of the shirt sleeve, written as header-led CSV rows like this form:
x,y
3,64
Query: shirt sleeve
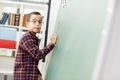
x,y
34,50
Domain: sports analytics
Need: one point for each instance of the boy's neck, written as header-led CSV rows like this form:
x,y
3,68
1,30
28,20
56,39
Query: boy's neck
x,y
32,32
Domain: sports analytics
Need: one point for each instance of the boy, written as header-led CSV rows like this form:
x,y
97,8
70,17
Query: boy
x,y
28,53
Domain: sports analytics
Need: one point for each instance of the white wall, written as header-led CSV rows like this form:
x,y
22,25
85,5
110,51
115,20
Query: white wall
x,y
107,65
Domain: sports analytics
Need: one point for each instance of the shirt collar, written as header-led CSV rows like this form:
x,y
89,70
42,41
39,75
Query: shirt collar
x,y
33,34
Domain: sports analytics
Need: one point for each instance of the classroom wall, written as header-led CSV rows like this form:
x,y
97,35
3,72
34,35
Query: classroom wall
x,y
108,65
79,26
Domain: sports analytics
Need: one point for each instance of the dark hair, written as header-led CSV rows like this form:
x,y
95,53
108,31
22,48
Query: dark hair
x,y
32,13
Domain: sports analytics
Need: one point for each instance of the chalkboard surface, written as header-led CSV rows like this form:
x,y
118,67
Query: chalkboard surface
x,y
79,27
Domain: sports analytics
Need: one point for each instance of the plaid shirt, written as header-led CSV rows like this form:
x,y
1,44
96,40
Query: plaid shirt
x,y
28,56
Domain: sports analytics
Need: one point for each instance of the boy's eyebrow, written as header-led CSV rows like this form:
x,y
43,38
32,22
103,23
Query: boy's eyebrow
x,y
34,19
38,20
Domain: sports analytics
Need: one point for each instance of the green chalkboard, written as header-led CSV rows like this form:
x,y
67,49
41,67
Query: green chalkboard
x,y
79,27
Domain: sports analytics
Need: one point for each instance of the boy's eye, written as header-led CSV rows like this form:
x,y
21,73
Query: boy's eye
x,y
35,21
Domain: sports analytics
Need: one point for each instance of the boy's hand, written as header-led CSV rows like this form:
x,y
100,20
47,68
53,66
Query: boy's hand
x,y
53,38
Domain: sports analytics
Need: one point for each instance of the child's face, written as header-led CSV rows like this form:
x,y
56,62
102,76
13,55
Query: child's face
x,y
35,23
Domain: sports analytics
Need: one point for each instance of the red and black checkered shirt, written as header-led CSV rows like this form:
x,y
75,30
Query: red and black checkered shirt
x,y
28,56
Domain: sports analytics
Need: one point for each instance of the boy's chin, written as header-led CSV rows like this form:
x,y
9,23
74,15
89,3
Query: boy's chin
x,y
37,31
